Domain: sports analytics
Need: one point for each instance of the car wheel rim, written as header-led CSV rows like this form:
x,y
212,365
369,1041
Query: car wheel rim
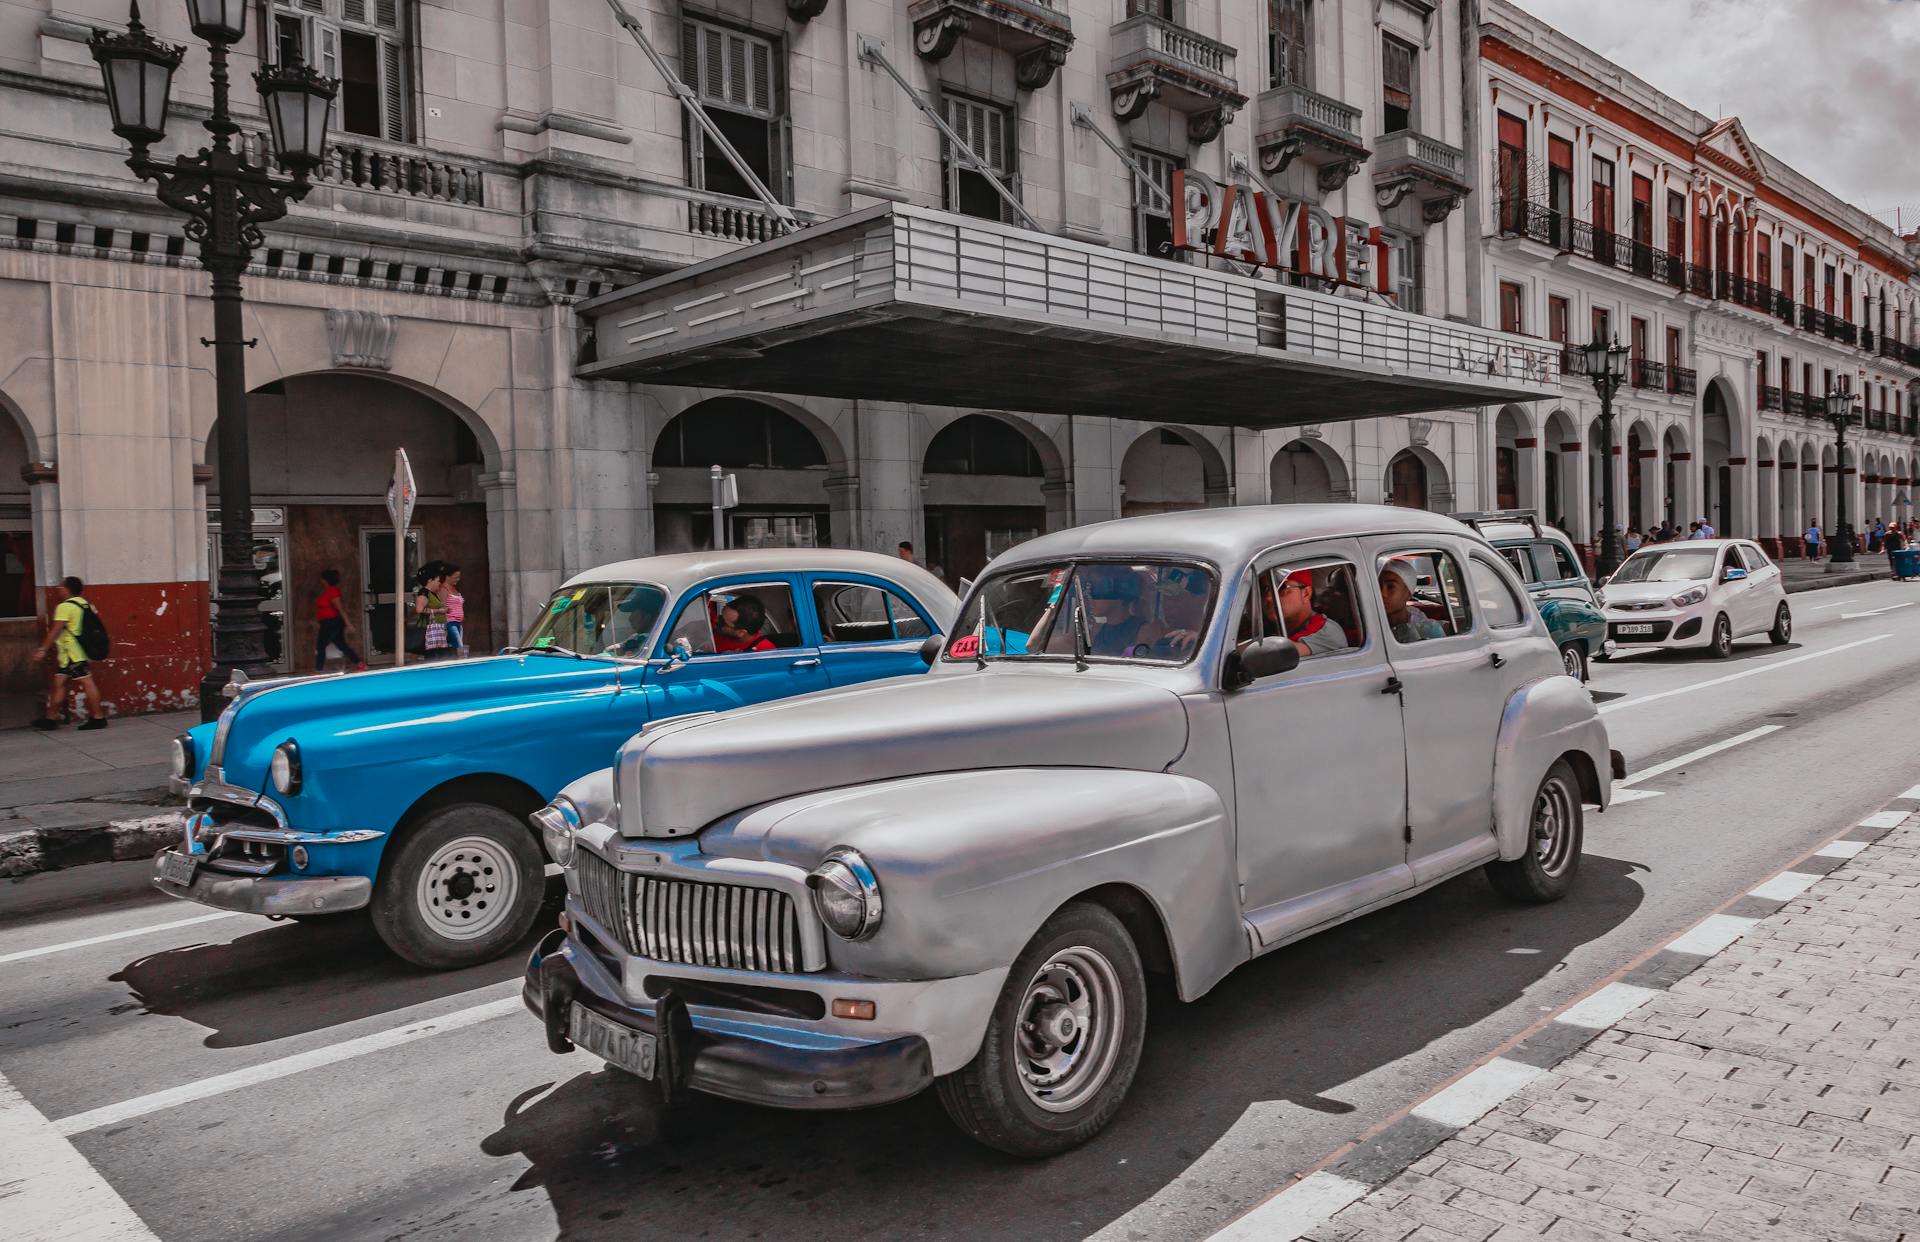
x,y
1553,811
1069,1029
1723,636
468,888
1784,624
1570,660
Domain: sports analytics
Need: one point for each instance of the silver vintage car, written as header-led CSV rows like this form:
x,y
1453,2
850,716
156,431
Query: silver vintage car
x,y
1163,745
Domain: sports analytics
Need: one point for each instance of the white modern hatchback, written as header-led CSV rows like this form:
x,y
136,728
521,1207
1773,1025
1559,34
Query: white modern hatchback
x,y
1696,593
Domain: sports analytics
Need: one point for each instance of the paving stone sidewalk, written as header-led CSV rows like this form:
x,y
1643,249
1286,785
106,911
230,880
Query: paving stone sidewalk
x,y
68,797
1773,1093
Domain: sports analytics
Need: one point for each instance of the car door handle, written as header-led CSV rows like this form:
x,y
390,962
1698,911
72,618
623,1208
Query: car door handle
x,y
810,662
1498,660
1394,686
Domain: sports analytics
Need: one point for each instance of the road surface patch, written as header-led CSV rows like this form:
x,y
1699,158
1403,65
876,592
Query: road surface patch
x,y
48,1191
1464,1099
108,937
1711,682
1712,934
1307,1203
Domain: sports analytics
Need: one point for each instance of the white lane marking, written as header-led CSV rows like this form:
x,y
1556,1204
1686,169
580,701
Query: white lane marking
x,y
23,954
1838,603
1884,819
1840,849
1874,612
1785,886
1607,1006
1770,666
1712,934
47,1188
1300,1208
1623,791
299,1062
1623,795
1467,1099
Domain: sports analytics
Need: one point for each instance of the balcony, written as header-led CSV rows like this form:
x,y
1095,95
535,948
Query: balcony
x,y
1769,398
1795,403
733,219
359,163
1649,374
1409,164
1036,33
1682,381
1322,133
1190,73
1876,420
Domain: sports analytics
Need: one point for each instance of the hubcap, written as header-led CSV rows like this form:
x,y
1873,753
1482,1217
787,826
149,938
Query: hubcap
x,y
1571,659
1785,623
468,888
1070,1024
1553,809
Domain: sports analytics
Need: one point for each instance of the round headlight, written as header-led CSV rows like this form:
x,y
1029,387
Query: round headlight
x,y
299,858
183,756
285,767
846,895
559,822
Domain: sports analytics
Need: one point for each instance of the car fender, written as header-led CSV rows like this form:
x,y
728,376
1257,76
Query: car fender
x,y
1544,720
970,864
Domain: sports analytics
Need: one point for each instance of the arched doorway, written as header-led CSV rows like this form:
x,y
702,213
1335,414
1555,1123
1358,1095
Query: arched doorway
x,y
21,680
1676,471
780,469
1512,446
1167,470
1643,476
1560,482
1415,479
321,449
985,492
1305,471
1722,486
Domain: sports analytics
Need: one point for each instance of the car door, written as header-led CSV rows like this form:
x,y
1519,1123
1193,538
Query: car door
x,y
714,680
866,629
1319,766
1736,597
1452,692
1768,588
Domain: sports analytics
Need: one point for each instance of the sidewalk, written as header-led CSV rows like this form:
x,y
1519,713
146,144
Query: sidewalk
x,y
1804,575
68,797
1757,1078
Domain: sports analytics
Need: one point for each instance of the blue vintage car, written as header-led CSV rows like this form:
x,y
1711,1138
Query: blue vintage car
x,y
406,792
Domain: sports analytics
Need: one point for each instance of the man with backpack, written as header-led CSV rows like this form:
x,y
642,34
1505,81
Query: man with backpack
x,y
78,637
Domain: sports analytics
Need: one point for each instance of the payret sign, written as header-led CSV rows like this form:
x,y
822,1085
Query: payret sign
x,y
1252,226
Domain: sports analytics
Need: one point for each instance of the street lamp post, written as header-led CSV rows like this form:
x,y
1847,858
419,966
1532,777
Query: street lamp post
x,y
1607,368
226,198
1838,410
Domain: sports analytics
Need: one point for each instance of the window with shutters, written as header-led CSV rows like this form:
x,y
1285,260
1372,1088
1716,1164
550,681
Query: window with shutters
x,y
1397,81
1406,270
1153,213
361,42
740,79
988,130
1290,43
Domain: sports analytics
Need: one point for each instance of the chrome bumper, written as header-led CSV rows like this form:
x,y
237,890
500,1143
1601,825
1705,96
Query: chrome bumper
x,y
273,896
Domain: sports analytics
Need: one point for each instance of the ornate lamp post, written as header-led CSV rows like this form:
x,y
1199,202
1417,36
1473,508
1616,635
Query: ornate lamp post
x,y
1607,368
226,198
1838,410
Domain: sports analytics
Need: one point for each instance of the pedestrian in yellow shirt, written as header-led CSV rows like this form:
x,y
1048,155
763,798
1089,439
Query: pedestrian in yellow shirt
x,y
70,661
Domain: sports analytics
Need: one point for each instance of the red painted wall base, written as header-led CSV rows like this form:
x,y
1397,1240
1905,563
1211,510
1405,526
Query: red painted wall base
x,y
161,643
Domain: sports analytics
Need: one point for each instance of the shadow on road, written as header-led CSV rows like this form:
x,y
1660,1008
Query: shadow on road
x,y
1292,1026
1745,649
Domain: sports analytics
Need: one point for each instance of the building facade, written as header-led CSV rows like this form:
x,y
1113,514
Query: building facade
x,y
1745,291
494,166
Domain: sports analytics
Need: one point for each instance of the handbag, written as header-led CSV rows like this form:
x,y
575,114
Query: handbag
x,y
434,636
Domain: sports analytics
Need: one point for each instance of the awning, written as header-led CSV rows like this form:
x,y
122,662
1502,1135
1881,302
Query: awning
x,y
898,303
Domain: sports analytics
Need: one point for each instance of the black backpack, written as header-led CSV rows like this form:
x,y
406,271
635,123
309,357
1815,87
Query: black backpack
x,y
94,640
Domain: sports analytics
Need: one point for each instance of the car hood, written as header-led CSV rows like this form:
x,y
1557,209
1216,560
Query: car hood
x,y
395,712
1645,592
681,775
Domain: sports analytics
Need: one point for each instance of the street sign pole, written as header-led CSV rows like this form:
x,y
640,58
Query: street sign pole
x,y
400,498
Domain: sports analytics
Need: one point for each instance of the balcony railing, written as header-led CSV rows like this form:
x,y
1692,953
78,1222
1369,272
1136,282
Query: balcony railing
x,y
1147,32
1573,360
1866,338
1876,420
1795,403
390,168
1769,398
1649,374
1682,381
731,221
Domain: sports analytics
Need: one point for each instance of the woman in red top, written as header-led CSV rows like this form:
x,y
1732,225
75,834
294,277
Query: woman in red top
x,y
331,619
740,626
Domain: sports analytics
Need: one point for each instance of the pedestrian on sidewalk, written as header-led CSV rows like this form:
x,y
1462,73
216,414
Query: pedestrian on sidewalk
x,y
1633,539
1876,535
332,629
430,613
456,612
1893,543
73,667
1812,538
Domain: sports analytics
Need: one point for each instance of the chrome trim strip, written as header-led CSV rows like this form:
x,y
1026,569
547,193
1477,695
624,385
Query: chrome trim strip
x,y
272,836
214,787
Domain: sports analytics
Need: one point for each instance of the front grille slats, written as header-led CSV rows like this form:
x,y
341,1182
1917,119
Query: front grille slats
x,y
691,922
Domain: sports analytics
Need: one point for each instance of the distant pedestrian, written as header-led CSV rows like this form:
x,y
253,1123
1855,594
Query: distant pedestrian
x,y
1893,541
1706,529
456,611
1693,531
1812,538
1633,539
73,663
332,630
904,551
430,613
1560,523
1877,535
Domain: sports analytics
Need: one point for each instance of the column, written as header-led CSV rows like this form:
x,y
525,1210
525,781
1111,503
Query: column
x,y
1532,482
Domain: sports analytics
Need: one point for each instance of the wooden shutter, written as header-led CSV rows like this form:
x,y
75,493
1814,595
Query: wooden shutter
x,y
354,11
728,68
1396,64
393,93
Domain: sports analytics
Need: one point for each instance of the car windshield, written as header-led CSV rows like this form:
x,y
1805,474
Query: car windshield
x,y
1669,565
601,618
1125,611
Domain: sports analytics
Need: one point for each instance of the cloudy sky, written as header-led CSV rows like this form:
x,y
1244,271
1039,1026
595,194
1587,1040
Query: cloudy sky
x,y
1830,86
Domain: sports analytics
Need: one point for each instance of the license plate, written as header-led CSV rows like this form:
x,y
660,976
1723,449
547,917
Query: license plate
x,y
1634,629
177,868
620,1046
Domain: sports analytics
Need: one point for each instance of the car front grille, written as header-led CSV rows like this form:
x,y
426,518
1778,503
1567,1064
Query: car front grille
x,y
693,923
1649,606
1658,634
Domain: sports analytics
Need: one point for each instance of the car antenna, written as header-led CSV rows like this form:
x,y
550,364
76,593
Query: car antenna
x,y
989,624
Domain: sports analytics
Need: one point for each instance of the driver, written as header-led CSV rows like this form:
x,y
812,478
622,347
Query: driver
x,y
1113,597
1310,631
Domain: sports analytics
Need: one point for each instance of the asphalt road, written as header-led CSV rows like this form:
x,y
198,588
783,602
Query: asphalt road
x,y
234,1078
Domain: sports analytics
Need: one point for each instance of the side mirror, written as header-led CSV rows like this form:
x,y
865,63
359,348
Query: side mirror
x,y
1264,657
679,651
1733,574
930,648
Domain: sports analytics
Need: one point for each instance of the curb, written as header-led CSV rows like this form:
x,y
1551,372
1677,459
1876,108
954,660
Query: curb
x,y
31,851
1838,580
1385,1152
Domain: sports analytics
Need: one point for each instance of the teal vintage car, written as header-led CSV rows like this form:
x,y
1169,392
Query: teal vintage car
x,y
1546,562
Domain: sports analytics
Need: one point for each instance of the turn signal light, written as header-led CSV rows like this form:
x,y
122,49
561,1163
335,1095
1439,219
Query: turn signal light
x,y
858,1010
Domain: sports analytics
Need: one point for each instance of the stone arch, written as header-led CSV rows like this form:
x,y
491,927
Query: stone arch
x,y
781,460
1416,478
1561,481
1515,454
1726,475
1676,475
28,522
1643,475
1306,471
988,480
1170,468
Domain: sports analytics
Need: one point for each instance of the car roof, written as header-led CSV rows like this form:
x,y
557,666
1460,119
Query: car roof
x,y
1691,543
1231,535
1517,532
678,571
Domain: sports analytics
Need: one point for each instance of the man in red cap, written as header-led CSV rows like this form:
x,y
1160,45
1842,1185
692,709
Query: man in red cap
x,y
1310,631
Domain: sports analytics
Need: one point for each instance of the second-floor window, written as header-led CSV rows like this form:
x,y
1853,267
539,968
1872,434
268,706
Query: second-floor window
x,y
1558,315
988,130
738,78
1511,319
1397,79
1153,212
1786,272
1676,224
1406,266
361,42
1290,43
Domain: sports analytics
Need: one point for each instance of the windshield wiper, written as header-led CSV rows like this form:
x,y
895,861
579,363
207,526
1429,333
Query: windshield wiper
x,y
549,650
